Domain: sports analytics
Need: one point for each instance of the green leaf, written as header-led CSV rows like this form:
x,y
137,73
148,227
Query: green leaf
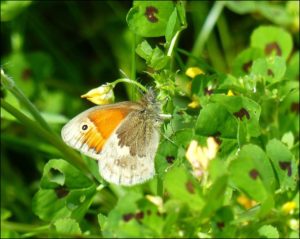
x,y
288,139
121,221
181,13
6,233
221,223
158,59
155,58
292,71
102,220
172,26
183,187
272,68
217,168
266,38
5,214
284,164
215,118
166,157
241,7
265,9
58,172
67,226
243,62
64,192
29,70
252,173
221,117
10,9
268,231
21,72
149,18
214,197
243,108
144,50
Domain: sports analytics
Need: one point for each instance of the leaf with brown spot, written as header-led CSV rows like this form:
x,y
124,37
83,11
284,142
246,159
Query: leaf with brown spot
x,y
139,215
271,47
190,187
254,174
208,91
284,163
286,166
220,225
64,190
61,191
273,40
149,18
241,113
170,159
270,73
127,217
26,74
247,66
295,107
150,14
216,137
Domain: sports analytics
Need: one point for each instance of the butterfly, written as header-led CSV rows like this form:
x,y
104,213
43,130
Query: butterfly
x,y
123,137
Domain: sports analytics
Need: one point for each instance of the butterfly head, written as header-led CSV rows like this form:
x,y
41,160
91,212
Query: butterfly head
x,y
151,107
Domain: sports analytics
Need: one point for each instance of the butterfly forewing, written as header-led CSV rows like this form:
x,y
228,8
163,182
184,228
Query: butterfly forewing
x,y
89,131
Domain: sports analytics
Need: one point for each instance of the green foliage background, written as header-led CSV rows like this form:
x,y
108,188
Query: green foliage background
x,y
53,52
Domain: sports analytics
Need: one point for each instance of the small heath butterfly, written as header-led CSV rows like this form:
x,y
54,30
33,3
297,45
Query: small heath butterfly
x,y
123,137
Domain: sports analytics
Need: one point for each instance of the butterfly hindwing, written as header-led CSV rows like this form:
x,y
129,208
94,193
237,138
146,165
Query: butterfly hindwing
x,y
128,156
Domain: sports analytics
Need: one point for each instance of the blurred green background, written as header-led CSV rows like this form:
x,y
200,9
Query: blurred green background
x,y
58,50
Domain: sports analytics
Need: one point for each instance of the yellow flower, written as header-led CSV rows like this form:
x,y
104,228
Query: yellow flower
x,y
101,95
199,156
246,202
289,207
193,72
230,93
195,103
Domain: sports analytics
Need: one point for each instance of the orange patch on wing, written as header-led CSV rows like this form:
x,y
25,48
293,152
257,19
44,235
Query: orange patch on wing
x,y
94,140
105,122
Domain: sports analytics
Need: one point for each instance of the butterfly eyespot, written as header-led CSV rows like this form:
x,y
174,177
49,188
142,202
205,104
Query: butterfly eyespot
x,y
84,127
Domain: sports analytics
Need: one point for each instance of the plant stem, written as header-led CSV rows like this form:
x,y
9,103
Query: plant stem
x,y
133,59
130,81
133,67
206,29
70,154
173,42
39,230
160,187
23,227
11,86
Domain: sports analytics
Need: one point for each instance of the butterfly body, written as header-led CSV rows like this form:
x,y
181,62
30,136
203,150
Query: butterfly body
x,y
123,137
